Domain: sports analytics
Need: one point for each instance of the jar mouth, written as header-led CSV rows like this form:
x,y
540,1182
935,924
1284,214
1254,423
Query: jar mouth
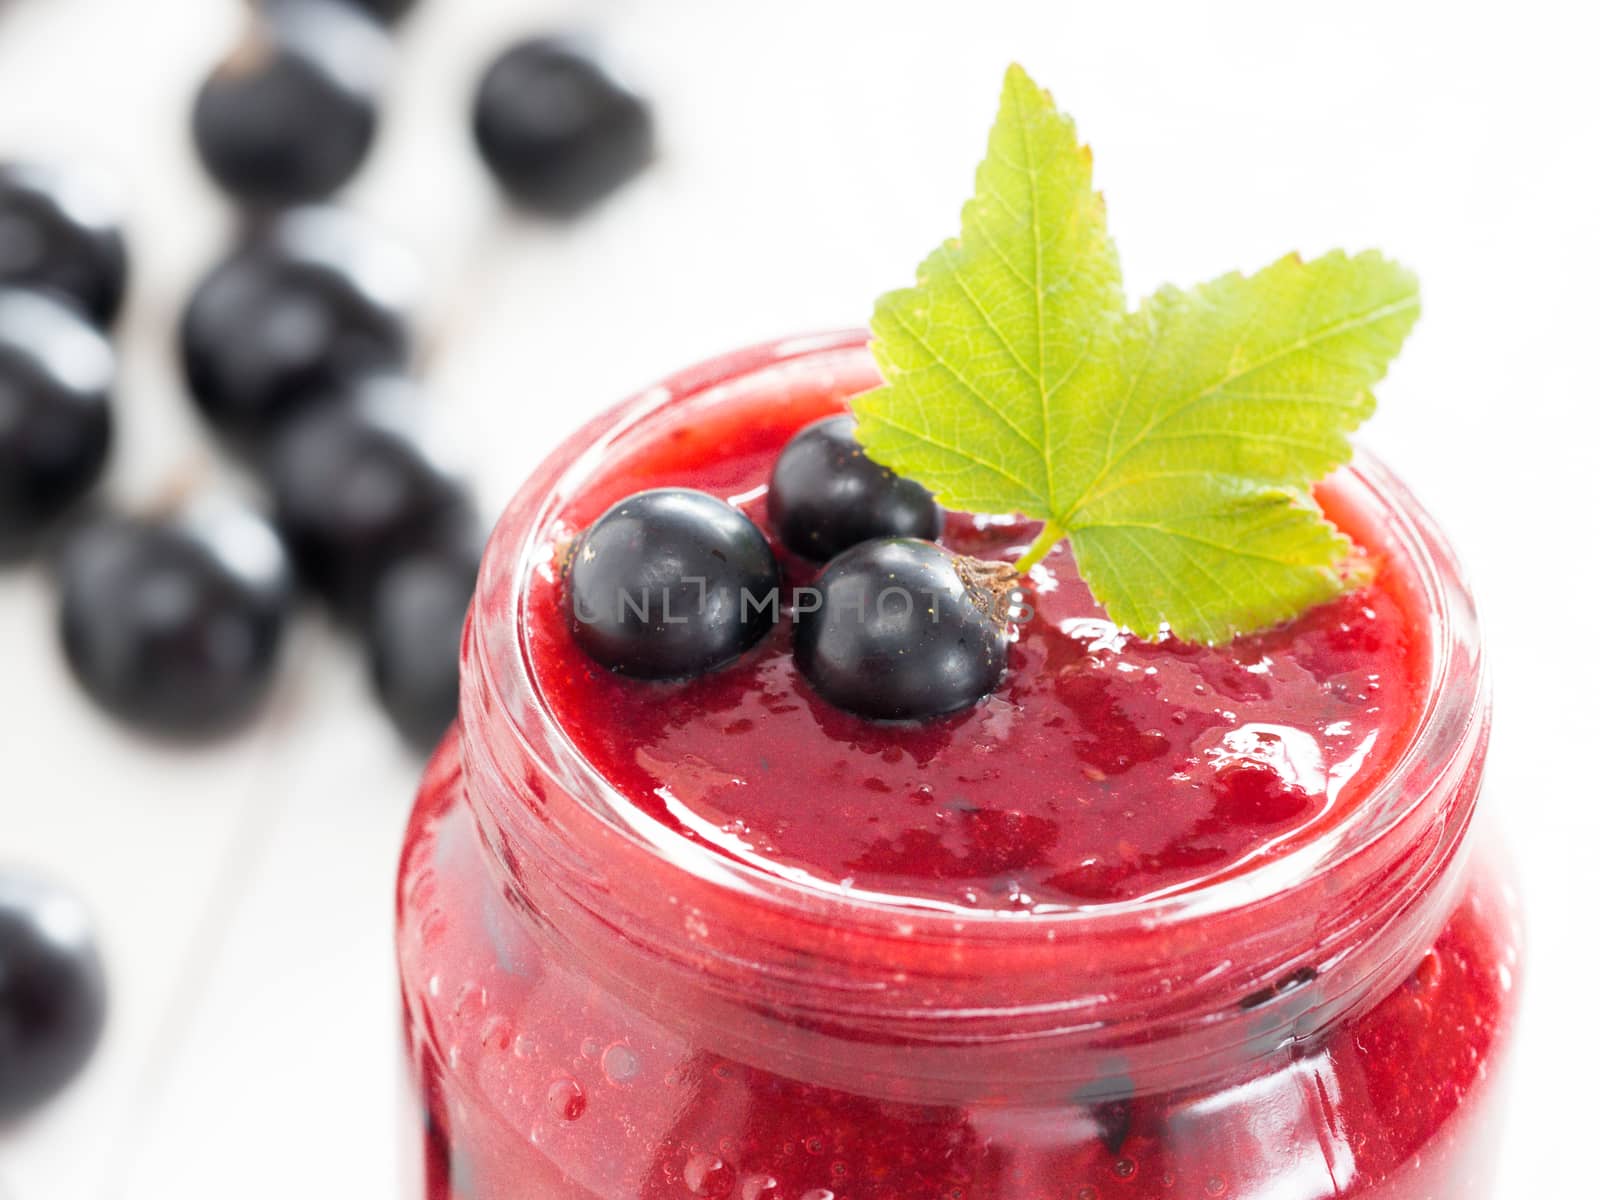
x,y
1376,506
899,995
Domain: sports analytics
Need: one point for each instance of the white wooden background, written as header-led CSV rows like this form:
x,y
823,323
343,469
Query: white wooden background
x,y
811,154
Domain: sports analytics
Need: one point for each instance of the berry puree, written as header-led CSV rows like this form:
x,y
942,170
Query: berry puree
x,y
720,939
1104,768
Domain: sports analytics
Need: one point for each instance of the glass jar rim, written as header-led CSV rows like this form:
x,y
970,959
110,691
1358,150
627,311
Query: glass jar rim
x,y
1457,685
826,983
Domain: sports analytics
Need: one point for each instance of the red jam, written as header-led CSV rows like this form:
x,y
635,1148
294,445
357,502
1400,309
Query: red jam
x,y
895,985
1103,769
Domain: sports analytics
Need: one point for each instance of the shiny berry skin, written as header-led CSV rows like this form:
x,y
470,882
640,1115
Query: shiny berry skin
x,y
356,489
52,992
56,375
290,115
313,301
826,495
174,625
557,131
413,638
900,629
671,583
61,232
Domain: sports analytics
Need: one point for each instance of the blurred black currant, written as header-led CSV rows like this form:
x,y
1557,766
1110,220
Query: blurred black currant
x,y
56,375
313,300
291,113
175,624
413,639
356,488
52,991
556,129
61,232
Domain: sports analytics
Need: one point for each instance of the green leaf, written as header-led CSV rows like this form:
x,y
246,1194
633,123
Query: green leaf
x,y
1001,322
1212,562
1175,446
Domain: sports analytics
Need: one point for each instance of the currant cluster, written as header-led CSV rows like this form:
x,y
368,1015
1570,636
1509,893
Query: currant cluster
x,y
672,583
290,115
63,271
297,350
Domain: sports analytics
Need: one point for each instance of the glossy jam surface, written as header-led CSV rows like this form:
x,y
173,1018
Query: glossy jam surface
x,y
1105,768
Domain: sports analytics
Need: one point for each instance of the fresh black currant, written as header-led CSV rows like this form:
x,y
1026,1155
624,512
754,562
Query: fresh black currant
x,y
315,300
902,629
827,495
556,129
290,115
61,232
175,624
356,489
414,641
52,992
671,583
56,374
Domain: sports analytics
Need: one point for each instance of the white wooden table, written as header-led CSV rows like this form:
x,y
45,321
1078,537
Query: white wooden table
x,y
811,155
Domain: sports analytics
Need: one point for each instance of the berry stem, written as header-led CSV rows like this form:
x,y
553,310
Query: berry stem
x,y
992,585
1042,545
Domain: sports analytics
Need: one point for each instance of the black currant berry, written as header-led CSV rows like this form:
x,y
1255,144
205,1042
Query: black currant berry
x,y
671,583
52,992
558,131
290,115
56,373
315,300
827,495
356,489
61,232
902,629
414,642
174,625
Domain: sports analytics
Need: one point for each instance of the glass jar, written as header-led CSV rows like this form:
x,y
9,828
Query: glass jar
x,y
598,1008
